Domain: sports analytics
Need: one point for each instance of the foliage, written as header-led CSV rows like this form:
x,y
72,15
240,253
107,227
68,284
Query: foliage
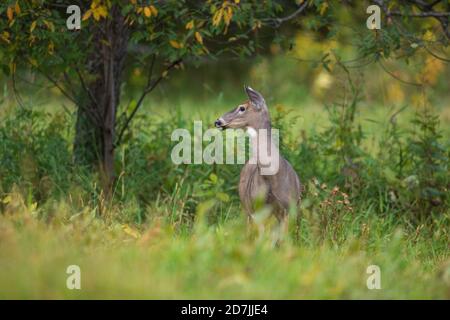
x,y
430,161
34,153
35,33
151,261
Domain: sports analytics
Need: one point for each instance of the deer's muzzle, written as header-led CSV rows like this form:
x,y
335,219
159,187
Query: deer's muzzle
x,y
220,123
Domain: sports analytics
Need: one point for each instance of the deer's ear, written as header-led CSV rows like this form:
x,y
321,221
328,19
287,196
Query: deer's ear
x,y
255,97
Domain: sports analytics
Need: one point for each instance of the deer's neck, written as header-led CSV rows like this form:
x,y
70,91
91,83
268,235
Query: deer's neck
x,y
264,150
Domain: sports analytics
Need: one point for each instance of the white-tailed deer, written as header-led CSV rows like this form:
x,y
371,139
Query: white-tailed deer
x,y
278,188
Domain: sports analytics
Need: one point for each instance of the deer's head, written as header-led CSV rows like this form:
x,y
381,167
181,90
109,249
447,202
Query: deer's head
x,y
250,114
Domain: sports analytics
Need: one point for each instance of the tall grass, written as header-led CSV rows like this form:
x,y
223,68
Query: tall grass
x,y
153,260
378,197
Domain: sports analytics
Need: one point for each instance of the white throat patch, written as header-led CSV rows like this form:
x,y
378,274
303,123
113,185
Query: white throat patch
x,y
251,132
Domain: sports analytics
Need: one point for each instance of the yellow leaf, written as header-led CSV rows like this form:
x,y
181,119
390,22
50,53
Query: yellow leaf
x,y
164,74
323,8
33,62
7,199
176,44
429,36
5,36
102,11
50,25
199,38
228,15
9,13
33,206
51,48
147,12
130,231
154,10
256,25
217,17
237,1
33,26
17,8
190,25
87,14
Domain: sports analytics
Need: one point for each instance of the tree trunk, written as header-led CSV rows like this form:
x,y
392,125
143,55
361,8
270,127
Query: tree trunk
x,y
100,95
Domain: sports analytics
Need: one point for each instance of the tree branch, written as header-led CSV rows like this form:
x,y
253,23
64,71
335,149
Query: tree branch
x,y
435,55
424,4
434,3
16,92
396,77
426,12
149,79
278,21
149,88
85,87
56,84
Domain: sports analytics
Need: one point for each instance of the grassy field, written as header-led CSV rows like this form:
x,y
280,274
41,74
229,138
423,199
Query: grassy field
x,y
177,231
213,262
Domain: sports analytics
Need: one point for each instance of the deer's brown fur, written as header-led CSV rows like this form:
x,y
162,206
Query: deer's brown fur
x,y
279,190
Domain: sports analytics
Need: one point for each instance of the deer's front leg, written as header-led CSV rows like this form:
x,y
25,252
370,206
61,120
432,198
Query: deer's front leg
x,y
248,189
281,232
248,210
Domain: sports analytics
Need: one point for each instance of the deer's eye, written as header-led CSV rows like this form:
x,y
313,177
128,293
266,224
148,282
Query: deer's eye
x,y
242,109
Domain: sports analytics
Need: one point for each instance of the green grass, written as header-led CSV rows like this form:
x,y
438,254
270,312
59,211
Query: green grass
x,y
221,261
166,234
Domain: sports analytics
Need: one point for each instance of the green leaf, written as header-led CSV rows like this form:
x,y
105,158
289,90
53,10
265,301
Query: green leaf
x,y
213,178
223,197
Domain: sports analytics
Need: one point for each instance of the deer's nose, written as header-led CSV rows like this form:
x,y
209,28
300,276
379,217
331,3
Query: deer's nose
x,y
218,123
